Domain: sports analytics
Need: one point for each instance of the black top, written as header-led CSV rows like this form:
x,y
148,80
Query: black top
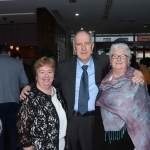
x,y
38,121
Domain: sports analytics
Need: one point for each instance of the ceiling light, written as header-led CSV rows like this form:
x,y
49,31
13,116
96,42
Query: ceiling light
x,y
11,47
13,14
146,25
17,48
81,28
76,14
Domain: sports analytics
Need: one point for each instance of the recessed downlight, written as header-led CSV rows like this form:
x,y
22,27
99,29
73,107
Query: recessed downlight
x,y
146,25
76,14
15,14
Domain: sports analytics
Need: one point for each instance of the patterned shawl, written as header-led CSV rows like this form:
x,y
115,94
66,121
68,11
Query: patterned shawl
x,y
126,103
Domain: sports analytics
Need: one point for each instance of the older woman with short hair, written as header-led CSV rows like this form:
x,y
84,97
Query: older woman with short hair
x,y
41,119
125,106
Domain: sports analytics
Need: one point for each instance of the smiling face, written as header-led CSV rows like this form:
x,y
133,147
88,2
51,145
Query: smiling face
x,y
44,76
83,46
119,64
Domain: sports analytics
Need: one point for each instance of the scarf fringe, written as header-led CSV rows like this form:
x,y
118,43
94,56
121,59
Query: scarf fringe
x,y
115,135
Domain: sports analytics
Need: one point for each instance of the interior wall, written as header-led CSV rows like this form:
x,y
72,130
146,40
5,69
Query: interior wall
x,y
22,34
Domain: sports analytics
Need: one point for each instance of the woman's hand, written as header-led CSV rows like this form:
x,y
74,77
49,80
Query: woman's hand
x,y
28,148
24,92
138,77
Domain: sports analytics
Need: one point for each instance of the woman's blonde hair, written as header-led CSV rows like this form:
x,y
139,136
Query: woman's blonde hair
x,y
44,61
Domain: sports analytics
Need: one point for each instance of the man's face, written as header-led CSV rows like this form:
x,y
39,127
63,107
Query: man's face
x,y
83,46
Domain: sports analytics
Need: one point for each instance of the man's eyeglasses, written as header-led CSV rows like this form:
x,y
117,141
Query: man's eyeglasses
x,y
119,56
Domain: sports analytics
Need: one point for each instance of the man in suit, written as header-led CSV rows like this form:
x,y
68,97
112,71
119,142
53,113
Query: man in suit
x,y
80,127
68,75
13,78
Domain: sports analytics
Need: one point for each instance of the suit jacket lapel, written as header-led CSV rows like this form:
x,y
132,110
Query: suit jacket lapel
x,y
98,70
72,80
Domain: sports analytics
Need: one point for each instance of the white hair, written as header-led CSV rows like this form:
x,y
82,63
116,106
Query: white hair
x,y
122,46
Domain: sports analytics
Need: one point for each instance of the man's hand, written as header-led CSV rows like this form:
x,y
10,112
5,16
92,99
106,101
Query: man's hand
x,y
24,92
138,77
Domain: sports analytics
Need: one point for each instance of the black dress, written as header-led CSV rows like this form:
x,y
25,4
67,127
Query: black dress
x,y
99,142
124,143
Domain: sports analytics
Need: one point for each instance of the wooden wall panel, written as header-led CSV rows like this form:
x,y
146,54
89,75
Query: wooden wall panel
x,y
45,29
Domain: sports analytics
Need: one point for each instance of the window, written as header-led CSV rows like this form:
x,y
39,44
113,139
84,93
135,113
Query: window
x,y
106,39
125,39
145,39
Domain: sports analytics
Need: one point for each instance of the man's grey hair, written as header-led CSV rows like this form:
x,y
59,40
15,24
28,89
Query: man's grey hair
x,y
81,32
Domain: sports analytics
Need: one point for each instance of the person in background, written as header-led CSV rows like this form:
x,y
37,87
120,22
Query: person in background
x,y
124,105
83,131
13,78
28,68
134,64
144,68
42,119
9,52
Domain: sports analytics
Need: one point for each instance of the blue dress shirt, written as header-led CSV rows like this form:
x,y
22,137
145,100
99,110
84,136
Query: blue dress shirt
x,y
93,89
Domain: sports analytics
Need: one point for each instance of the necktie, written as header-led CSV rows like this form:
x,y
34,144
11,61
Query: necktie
x,y
83,91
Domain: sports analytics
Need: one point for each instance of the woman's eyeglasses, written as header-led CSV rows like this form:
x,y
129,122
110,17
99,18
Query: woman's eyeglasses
x,y
119,56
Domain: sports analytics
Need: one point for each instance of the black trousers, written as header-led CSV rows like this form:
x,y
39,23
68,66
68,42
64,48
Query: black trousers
x,y
148,87
99,142
124,143
80,133
8,115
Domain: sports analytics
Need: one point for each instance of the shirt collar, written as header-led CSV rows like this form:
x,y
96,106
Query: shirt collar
x,y
89,63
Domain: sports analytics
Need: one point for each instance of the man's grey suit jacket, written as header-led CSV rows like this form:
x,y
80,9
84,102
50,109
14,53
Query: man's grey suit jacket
x,y
66,77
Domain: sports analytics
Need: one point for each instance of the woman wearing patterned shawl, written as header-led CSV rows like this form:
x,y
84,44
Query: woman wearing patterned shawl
x,y
125,106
